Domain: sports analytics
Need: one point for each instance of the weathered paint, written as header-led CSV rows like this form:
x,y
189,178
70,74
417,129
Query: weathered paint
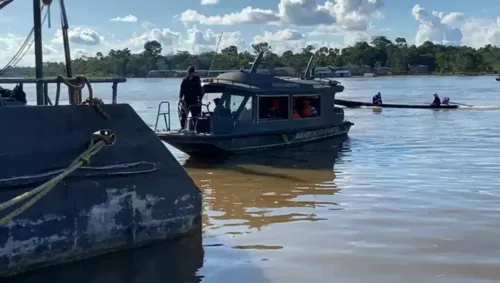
x,y
91,215
163,261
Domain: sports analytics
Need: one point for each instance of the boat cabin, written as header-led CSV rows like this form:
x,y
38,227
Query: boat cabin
x,y
250,102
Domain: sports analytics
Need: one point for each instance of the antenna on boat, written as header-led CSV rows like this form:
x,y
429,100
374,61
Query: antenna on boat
x,y
256,62
307,72
215,54
64,28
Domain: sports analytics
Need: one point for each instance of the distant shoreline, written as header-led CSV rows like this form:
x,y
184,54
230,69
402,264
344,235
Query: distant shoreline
x,y
331,78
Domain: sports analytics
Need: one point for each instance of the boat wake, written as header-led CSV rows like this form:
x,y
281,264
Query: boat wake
x,y
460,107
480,107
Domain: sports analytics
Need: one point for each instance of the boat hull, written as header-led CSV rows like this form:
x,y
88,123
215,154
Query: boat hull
x,y
219,145
135,193
355,104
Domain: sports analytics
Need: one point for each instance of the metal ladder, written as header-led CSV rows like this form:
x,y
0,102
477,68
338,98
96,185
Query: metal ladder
x,y
165,114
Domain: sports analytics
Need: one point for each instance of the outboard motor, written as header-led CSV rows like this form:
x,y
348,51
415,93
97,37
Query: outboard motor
x,y
446,101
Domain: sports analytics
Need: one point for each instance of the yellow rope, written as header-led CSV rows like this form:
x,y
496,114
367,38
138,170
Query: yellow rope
x,y
96,144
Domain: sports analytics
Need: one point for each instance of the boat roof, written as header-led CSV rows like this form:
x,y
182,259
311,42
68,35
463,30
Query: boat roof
x,y
264,83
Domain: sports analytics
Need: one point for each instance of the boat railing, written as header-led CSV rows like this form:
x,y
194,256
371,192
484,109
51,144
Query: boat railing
x,y
164,113
319,80
231,82
237,83
328,81
59,81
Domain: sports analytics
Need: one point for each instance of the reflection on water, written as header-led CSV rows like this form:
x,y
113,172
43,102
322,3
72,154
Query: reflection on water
x,y
273,187
176,261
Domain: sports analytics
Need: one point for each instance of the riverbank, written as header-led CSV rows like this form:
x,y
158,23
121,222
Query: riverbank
x,y
217,72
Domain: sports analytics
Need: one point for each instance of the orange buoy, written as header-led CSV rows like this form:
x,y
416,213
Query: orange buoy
x,y
47,2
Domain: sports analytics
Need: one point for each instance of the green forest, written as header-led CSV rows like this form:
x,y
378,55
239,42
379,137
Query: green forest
x,y
379,52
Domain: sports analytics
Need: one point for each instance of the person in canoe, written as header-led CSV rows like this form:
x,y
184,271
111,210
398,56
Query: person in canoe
x,y
437,100
377,99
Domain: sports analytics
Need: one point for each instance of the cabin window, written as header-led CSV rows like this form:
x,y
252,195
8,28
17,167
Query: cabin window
x,y
235,102
273,107
246,111
208,99
306,106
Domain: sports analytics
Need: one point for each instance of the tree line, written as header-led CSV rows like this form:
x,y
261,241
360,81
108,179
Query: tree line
x,y
398,55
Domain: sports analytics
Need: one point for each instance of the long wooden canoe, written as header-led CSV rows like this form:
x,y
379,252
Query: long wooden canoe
x,y
355,104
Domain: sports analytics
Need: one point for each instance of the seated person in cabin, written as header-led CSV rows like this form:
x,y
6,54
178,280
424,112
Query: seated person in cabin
x,y
437,101
274,111
295,111
377,99
296,114
220,110
308,110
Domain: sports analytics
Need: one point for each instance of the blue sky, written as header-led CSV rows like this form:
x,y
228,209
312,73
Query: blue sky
x,y
294,24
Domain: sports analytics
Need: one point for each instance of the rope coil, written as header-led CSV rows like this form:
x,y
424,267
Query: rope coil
x,y
83,81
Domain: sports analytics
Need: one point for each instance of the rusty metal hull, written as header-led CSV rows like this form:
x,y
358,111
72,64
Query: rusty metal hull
x,y
135,192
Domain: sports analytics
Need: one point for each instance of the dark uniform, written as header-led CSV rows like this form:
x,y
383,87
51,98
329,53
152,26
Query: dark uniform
x,y
377,99
191,93
437,101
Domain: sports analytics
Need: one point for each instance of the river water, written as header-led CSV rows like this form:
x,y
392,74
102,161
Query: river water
x,y
411,196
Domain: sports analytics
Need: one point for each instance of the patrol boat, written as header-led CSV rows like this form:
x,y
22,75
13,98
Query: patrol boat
x,y
263,112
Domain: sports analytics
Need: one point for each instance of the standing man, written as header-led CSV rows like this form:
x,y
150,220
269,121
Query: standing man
x,y
191,94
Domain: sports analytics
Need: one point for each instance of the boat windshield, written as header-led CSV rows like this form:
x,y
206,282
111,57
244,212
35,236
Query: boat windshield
x,y
208,98
240,105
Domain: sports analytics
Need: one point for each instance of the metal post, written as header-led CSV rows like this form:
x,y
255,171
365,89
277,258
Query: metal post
x,y
67,51
115,92
37,23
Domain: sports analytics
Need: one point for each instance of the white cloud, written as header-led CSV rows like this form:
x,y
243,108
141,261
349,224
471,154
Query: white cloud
x,y
80,36
279,36
11,44
353,38
126,19
297,46
478,33
246,16
209,2
437,27
79,53
455,28
347,14
164,36
199,41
